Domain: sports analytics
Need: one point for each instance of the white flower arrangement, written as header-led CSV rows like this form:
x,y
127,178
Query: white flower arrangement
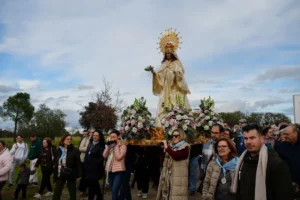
x,y
178,117
207,118
206,128
136,121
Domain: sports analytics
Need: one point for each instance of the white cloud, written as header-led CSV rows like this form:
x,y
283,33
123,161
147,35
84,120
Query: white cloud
x,y
282,72
85,87
7,89
28,84
117,40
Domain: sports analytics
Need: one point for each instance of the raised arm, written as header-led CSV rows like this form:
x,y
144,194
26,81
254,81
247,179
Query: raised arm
x,y
120,151
180,154
106,152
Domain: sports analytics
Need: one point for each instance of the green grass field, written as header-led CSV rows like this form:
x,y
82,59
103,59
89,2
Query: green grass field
x,y
8,193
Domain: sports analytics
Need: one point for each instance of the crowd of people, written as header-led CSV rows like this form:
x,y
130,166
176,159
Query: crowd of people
x,y
246,162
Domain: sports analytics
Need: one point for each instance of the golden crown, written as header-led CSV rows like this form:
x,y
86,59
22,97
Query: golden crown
x,y
169,41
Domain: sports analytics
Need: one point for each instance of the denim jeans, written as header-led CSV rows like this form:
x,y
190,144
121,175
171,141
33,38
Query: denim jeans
x,y
193,173
125,192
115,180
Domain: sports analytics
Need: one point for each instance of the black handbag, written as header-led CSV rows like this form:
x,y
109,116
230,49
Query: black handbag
x,y
65,171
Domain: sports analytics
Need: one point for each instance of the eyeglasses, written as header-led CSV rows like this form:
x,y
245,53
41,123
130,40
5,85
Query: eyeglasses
x,y
222,147
176,136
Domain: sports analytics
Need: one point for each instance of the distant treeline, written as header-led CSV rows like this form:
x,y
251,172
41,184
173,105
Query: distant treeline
x,y
6,134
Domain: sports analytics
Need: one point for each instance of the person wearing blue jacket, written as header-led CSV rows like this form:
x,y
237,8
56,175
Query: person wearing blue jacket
x,y
239,138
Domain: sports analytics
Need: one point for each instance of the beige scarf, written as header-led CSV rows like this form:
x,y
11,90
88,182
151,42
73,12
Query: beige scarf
x,y
261,171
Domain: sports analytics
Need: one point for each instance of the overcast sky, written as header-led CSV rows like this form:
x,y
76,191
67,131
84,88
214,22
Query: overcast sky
x,y
245,54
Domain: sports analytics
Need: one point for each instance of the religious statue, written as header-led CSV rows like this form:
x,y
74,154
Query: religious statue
x,y
168,82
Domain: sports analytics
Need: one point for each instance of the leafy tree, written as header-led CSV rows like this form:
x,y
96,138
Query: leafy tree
x,y
98,115
102,112
232,118
260,118
45,123
274,118
6,133
18,109
255,117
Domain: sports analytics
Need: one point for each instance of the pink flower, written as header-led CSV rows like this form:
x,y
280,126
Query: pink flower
x,y
175,123
126,118
170,114
202,121
128,122
133,122
206,111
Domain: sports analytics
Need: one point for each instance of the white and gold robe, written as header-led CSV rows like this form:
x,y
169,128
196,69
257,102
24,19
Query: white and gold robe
x,y
168,82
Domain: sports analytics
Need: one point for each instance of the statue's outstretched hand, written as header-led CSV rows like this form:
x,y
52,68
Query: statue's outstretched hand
x,y
150,69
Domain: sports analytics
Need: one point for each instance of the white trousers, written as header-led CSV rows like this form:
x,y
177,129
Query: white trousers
x,y
15,163
33,178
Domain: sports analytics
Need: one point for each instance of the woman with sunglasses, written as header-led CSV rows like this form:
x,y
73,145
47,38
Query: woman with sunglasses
x,y
173,182
220,172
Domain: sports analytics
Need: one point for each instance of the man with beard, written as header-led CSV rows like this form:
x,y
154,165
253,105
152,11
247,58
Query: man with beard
x,y
260,173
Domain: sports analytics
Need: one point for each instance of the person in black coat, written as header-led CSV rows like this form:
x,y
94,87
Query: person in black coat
x,y
46,161
94,165
142,171
274,181
66,167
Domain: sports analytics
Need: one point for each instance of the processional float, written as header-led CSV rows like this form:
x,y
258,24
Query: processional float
x,y
173,110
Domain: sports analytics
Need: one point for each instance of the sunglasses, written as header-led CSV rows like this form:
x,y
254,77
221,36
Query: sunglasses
x,y
176,136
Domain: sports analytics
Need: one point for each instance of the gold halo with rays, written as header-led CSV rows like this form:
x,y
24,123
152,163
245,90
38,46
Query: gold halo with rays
x,y
169,41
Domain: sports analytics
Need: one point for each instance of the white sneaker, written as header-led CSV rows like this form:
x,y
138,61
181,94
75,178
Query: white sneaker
x,y
37,196
139,194
48,194
145,195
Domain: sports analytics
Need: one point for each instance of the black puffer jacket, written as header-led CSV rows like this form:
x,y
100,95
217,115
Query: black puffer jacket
x,y
72,162
94,162
46,159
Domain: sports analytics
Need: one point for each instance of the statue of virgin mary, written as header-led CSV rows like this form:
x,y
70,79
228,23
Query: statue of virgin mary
x,y
168,82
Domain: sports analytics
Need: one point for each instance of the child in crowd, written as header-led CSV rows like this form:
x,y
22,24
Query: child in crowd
x,y
22,181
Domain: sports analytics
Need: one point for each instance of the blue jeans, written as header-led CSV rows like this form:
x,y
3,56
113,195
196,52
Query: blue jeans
x,y
115,180
125,192
193,173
